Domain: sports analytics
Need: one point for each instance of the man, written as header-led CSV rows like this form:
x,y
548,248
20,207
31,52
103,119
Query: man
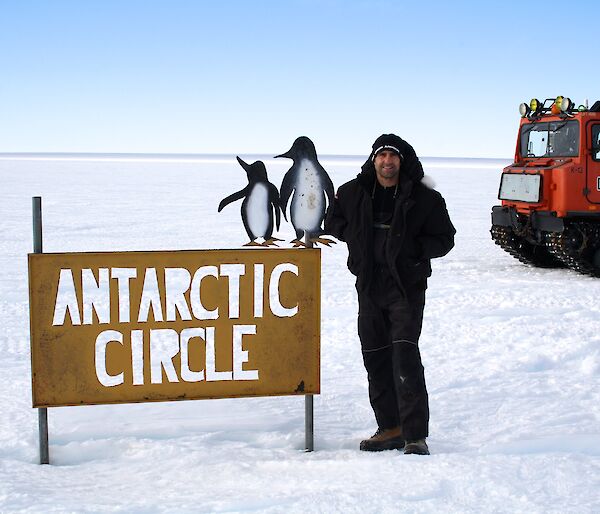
x,y
393,225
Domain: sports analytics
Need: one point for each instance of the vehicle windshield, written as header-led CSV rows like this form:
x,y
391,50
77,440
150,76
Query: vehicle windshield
x,y
550,139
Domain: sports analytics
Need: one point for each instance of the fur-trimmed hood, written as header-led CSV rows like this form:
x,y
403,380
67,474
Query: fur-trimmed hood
x,y
411,169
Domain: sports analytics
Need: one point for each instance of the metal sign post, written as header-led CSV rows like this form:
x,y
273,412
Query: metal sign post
x,y
309,423
309,428
43,411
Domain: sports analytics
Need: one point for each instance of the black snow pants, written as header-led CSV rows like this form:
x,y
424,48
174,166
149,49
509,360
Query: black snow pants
x,y
389,326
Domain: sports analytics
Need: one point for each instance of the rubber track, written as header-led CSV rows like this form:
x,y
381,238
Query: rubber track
x,y
561,246
505,238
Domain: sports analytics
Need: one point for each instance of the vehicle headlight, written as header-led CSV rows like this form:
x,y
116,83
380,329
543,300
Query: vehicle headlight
x,y
535,105
565,104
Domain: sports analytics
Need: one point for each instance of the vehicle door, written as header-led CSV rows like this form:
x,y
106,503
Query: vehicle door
x,y
593,161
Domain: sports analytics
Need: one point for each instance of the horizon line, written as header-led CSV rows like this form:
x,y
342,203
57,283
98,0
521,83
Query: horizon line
x,y
172,156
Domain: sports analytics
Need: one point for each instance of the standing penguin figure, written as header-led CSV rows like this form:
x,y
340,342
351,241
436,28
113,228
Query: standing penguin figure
x,y
310,183
260,199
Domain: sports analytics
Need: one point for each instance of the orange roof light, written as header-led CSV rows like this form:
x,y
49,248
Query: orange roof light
x,y
555,109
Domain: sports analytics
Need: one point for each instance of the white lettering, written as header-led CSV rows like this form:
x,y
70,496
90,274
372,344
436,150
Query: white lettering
x,y
274,301
233,272
195,299
186,373
164,345
211,374
66,300
240,355
259,289
102,341
177,282
150,298
96,296
123,276
137,356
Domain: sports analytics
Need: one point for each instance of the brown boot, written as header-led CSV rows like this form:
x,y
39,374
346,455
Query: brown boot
x,y
418,447
383,439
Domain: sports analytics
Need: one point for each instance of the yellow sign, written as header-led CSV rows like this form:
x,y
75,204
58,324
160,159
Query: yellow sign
x,y
157,326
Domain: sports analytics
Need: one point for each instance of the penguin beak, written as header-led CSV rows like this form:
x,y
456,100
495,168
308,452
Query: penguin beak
x,y
244,165
287,155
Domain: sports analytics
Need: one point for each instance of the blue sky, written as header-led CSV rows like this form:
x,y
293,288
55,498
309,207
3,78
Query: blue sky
x,y
243,77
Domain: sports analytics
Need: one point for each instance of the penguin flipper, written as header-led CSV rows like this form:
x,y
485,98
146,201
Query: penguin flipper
x,y
247,226
275,200
286,191
330,192
232,198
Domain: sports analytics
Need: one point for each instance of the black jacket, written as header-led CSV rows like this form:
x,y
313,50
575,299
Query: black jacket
x,y
420,229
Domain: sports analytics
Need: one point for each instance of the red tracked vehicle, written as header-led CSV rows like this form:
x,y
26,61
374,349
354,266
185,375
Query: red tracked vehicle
x,y
550,212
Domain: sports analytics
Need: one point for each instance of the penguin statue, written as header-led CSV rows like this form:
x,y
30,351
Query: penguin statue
x,y
261,198
309,183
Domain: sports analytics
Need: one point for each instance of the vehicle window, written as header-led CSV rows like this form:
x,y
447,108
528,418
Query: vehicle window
x,y
550,139
596,142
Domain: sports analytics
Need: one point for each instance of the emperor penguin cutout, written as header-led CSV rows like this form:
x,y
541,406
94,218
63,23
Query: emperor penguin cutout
x,y
261,199
310,184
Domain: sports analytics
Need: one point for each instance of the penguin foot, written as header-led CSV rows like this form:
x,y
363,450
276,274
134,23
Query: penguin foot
x,y
323,241
298,243
253,243
271,242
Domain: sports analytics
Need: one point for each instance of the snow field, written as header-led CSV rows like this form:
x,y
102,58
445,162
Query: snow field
x,y
511,354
